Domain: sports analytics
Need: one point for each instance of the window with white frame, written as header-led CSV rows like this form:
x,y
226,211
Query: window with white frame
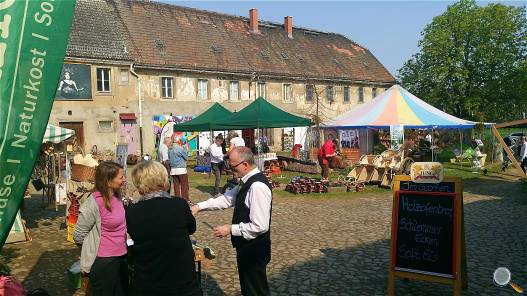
x,y
124,77
203,89
260,89
103,79
373,92
346,90
330,93
361,94
234,91
167,87
287,92
105,125
309,93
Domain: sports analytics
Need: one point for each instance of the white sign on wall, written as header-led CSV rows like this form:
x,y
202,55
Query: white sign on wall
x,y
396,136
349,138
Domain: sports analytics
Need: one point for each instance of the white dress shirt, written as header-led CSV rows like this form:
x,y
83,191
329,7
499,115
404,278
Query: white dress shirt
x,y
216,153
163,152
523,151
258,201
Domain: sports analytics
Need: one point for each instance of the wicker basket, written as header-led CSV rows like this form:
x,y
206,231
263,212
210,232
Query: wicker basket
x,y
82,173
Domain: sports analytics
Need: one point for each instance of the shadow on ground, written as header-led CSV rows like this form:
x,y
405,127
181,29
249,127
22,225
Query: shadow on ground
x,y
34,211
497,187
50,272
210,286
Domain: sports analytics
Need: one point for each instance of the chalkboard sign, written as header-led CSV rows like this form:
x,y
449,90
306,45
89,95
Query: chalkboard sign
x,y
428,233
424,239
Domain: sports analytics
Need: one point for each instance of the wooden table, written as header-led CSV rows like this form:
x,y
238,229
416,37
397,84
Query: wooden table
x,y
199,260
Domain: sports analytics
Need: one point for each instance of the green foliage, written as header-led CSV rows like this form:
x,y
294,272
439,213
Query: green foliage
x,y
472,62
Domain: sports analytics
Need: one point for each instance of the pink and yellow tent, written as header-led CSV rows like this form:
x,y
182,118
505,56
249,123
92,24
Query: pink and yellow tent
x,y
397,106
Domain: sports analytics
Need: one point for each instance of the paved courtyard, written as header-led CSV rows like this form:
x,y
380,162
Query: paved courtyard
x,y
337,246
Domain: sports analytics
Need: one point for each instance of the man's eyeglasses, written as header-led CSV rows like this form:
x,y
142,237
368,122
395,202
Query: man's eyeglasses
x,y
234,166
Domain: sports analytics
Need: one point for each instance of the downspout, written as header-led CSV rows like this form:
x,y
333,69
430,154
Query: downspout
x,y
139,104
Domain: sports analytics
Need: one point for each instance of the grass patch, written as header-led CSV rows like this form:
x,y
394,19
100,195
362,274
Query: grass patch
x,y
464,171
204,183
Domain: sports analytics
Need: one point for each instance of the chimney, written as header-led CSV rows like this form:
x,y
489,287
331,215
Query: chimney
x,y
288,26
253,20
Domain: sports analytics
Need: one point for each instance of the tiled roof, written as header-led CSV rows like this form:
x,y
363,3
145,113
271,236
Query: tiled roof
x,y
169,36
127,116
97,33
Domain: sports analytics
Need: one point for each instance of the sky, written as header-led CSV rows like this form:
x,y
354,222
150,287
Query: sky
x,y
389,29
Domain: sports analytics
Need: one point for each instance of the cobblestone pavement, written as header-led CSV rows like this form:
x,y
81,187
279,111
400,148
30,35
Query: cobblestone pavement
x,y
337,246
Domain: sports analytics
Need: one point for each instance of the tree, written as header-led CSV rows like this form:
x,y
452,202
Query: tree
x,y
318,111
472,62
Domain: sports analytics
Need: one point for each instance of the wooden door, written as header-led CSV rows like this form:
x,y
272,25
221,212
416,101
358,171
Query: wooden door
x,y
78,127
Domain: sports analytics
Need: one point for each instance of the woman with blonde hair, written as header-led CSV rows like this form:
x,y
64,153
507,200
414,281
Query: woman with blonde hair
x,y
160,227
101,230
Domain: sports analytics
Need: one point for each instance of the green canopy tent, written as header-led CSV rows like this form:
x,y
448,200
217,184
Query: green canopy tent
x,y
205,121
260,114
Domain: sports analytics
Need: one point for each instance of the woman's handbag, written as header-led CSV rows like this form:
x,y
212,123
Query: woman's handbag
x,y
9,286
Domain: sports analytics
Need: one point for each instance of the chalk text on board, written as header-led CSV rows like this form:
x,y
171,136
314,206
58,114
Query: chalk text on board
x,y
417,254
428,209
413,225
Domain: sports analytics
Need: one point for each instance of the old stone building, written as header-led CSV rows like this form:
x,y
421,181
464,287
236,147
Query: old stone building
x,y
180,60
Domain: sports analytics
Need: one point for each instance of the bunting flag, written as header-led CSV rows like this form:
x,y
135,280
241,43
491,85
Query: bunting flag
x,y
33,39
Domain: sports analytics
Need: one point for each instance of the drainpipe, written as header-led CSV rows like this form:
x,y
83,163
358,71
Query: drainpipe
x,y
140,107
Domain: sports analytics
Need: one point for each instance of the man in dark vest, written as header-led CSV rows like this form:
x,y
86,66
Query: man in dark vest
x,y
251,220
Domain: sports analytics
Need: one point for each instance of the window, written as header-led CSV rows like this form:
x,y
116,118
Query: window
x,y
123,77
373,92
105,125
234,88
103,79
260,89
287,92
309,93
329,93
167,87
346,94
203,91
361,94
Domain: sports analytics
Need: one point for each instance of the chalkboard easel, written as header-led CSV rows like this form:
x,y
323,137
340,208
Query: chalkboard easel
x,y
428,239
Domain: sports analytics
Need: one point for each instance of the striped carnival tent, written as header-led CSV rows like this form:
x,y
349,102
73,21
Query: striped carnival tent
x,y
56,134
397,106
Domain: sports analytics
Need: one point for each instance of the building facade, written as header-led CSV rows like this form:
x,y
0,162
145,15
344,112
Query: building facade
x,y
147,59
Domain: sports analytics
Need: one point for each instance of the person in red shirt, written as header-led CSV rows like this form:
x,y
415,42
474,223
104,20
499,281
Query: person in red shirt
x,y
295,152
325,153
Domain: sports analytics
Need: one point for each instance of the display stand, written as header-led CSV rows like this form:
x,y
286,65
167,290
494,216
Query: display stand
x,y
437,254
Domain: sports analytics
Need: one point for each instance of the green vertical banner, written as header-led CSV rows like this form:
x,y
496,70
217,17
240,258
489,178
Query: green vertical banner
x,y
33,39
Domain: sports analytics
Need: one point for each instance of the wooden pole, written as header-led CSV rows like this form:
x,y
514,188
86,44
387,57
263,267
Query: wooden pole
x,y
461,142
507,150
511,123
